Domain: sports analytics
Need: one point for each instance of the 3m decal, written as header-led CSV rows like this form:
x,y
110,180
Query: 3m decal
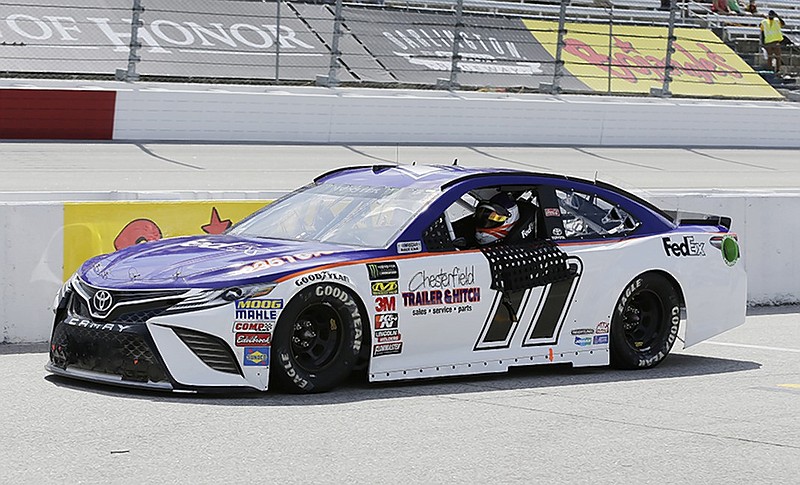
x,y
383,271
544,307
387,349
385,320
687,247
384,287
252,327
258,356
409,247
385,304
253,339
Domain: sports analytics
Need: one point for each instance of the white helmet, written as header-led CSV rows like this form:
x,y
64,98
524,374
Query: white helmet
x,y
495,218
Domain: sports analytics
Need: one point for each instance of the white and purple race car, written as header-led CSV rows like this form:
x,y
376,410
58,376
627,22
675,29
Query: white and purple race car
x,y
379,268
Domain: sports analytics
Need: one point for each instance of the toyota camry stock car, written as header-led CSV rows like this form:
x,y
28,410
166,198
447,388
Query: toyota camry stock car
x,y
409,272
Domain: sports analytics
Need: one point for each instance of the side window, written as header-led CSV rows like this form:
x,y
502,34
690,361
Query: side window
x,y
588,216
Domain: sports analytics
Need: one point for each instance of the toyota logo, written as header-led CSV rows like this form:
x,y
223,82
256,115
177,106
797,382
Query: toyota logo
x,y
102,300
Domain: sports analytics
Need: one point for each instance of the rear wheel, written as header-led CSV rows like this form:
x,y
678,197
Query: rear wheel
x,y
317,340
645,322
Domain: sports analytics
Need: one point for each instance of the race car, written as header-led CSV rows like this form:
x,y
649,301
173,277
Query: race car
x,y
404,272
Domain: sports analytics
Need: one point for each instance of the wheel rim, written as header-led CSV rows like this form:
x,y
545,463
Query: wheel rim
x,y
643,320
316,337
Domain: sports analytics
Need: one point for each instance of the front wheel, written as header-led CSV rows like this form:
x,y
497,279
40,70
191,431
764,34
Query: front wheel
x,y
645,322
317,340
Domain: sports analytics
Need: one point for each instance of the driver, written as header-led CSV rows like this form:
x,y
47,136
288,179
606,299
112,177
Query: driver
x,y
495,218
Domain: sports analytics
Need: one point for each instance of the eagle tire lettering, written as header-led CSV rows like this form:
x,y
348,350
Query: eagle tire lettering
x,y
318,339
645,323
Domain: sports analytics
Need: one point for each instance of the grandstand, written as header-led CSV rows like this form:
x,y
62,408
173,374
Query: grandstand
x,y
740,32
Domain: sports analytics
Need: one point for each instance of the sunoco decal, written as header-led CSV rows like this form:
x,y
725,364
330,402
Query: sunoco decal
x,y
256,356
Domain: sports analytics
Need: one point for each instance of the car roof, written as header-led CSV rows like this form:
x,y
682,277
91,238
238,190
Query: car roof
x,y
445,176
420,176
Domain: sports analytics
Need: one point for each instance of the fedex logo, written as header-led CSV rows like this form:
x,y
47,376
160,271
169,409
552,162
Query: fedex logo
x,y
687,247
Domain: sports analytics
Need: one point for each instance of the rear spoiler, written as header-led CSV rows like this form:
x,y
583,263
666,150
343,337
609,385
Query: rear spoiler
x,y
694,219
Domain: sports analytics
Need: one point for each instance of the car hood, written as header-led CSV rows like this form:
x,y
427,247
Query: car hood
x,y
211,262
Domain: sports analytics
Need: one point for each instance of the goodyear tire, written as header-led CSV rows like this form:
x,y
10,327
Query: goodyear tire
x,y
317,340
645,322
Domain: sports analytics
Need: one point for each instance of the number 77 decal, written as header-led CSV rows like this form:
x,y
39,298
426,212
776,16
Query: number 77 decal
x,y
544,308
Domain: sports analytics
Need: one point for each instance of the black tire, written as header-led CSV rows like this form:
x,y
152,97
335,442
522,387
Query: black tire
x,y
317,340
645,322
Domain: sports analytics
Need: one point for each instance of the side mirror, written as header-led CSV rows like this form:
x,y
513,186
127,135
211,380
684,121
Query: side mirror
x,y
460,242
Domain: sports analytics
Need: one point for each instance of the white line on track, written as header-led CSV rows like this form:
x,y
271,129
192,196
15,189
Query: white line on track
x,y
760,347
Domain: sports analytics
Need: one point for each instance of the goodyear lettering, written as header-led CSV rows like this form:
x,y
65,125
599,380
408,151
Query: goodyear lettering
x,y
343,296
322,276
292,374
627,294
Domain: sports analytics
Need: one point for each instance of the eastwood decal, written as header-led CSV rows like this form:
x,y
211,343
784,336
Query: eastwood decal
x,y
384,287
322,276
457,276
252,327
387,349
383,271
687,247
82,322
385,320
264,310
439,297
256,356
409,247
253,339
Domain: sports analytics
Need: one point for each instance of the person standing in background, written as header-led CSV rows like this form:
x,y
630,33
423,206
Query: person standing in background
x,y
771,38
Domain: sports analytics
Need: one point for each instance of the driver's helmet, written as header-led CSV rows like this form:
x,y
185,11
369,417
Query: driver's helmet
x,y
495,218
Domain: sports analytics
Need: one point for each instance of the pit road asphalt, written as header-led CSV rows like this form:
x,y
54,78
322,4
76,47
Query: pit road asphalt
x,y
724,411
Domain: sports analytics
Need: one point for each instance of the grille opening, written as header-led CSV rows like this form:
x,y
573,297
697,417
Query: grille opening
x,y
213,351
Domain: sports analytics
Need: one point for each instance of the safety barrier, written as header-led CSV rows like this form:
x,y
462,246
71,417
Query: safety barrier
x,y
169,112
46,241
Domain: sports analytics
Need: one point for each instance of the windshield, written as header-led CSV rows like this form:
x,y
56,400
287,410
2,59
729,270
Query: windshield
x,y
357,215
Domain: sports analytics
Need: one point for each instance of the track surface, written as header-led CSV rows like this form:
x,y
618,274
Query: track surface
x,y
724,411
156,167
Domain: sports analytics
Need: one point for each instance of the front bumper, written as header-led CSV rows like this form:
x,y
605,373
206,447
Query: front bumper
x,y
189,351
